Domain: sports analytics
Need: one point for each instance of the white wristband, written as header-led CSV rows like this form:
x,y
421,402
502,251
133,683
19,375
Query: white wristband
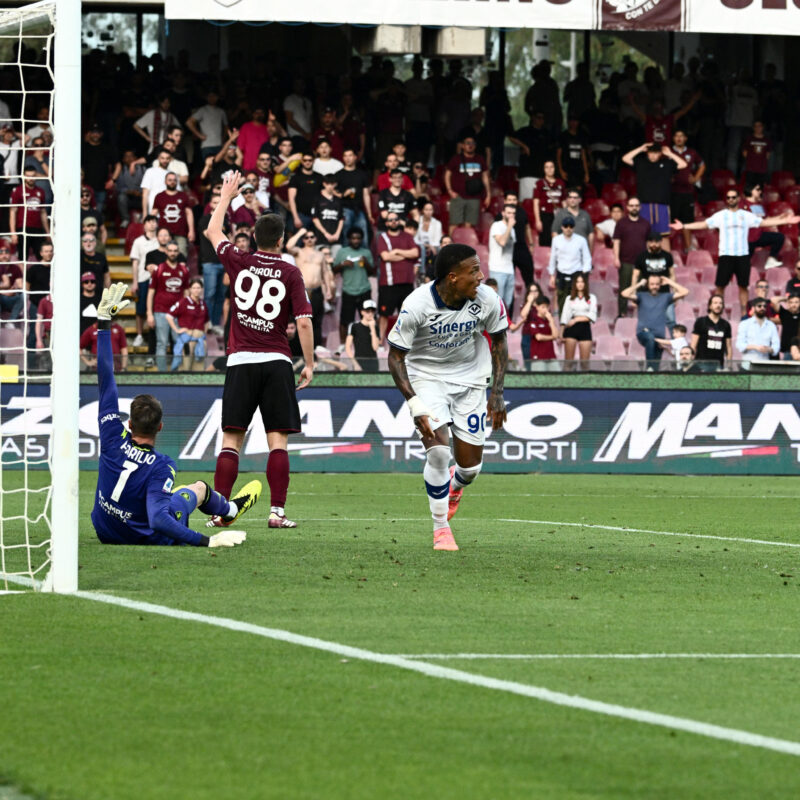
x,y
417,407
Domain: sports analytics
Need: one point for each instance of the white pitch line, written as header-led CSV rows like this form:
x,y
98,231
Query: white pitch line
x,y
677,496
559,656
668,721
435,671
653,533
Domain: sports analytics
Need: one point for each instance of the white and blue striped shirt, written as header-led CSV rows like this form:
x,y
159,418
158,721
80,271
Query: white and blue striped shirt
x,y
733,228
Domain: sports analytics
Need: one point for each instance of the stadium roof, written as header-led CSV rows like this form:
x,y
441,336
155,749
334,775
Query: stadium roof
x,y
780,17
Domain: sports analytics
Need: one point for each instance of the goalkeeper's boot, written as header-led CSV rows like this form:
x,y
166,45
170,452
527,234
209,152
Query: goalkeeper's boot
x,y
443,539
244,500
280,521
455,497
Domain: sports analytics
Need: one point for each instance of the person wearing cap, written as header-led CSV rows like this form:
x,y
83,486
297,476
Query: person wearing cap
x,y
328,131
324,163
327,215
250,210
88,300
757,338
655,261
362,342
569,255
355,264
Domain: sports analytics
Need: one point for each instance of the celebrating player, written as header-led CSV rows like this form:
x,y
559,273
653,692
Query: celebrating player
x,y
441,365
135,502
265,292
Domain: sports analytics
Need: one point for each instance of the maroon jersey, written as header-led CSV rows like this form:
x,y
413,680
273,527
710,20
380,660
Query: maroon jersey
x,y
541,351
265,292
659,129
29,202
758,150
190,314
13,271
119,341
465,174
550,195
45,311
171,212
394,272
168,283
682,179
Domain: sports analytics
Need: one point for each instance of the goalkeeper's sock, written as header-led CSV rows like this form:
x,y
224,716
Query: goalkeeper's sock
x,y
227,471
437,483
278,477
216,505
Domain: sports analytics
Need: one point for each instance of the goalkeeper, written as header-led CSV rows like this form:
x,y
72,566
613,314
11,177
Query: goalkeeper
x,y
135,502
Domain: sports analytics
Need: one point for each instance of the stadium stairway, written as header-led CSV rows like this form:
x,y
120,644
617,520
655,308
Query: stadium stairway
x,y
119,266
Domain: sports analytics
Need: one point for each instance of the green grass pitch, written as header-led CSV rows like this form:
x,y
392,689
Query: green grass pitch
x,y
104,702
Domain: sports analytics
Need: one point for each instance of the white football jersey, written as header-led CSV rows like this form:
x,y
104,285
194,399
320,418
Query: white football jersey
x,y
445,343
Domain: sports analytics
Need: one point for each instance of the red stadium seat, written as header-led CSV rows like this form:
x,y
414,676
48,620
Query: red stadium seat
x,y
507,179
627,178
698,296
134,231
782,179
708,274
597,209
776,209
483,256
721,179
601,328
770,194
685,275
603,260
625,328
792,196
527,204
614,193
607,346
589,192
713,207
697,259
464,235
541,260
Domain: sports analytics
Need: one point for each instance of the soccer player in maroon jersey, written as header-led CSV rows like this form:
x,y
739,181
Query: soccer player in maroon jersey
x,y
265,293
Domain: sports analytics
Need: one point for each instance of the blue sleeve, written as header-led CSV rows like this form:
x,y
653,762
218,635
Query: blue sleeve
x,y
160,519
109,422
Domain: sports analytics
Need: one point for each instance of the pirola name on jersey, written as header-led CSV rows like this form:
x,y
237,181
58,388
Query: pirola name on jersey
x,y
266,272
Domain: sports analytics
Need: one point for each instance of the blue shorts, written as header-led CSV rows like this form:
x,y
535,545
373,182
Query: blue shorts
x,y
657,215
183,502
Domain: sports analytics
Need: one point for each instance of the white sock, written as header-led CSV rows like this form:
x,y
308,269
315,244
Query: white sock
x,y
463,476
233,509
277,510
437,483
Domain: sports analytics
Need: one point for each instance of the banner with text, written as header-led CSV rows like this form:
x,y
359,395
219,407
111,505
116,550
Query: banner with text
x,y
370,430
694,16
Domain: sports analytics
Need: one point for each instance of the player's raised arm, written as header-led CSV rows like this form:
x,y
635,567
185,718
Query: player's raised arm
x,y
111,303
230,188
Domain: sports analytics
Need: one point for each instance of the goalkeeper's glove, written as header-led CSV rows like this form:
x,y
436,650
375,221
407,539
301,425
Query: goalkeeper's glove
x,y
111,303
226,538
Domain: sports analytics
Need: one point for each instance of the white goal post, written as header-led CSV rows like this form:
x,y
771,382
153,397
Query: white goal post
x,y
39,509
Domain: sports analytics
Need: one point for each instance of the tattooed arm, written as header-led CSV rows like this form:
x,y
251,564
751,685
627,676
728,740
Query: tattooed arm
x,y
496,407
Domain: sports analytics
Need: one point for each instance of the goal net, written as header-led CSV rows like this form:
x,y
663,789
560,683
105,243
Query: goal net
x,y
38,395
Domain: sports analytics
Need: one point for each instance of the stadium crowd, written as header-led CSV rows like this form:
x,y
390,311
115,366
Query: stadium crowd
x,y
617,234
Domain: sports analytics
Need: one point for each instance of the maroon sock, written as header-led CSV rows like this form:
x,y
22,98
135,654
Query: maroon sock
x,y
278,477
227,471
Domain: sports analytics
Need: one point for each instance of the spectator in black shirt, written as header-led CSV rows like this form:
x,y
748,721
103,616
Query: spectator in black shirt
x,y
92,261
789,319
711,337
571,157
653,261
793,284
327,214
100,165
655,167
536,146
395,200
88,301
361,345
352,185
304,188
38,275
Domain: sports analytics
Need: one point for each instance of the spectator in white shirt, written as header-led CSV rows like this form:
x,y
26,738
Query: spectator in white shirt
x,y
429,238
757,338
323,163
298,111
577,317
569,255
154,181
154,124
210,125
501,254
604,231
